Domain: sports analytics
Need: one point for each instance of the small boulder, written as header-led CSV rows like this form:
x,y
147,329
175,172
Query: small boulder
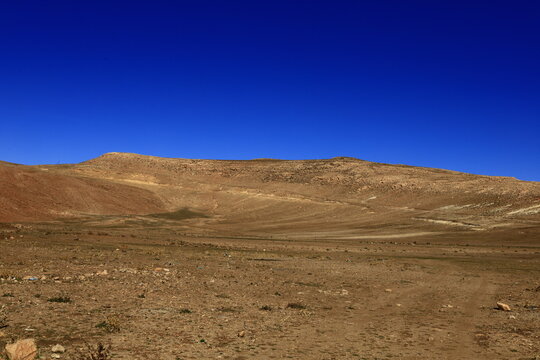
x,y
58,349
22,350
503,306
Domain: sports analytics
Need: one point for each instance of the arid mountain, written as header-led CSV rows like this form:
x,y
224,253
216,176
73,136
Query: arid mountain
x,y
320,259
336,198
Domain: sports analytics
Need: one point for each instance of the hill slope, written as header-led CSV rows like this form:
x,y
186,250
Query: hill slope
x,y
32,193
340,197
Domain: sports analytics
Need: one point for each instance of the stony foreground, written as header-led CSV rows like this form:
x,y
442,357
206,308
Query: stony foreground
x,y
155,293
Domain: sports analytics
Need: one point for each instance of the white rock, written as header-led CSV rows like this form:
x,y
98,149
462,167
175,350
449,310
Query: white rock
x,y
58,349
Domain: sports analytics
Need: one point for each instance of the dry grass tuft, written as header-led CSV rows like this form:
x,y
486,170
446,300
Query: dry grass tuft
x,y
110,325
98,352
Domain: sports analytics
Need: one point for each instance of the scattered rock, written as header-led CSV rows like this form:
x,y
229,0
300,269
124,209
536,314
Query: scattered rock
x,y
56,356
503,306
388,290
58,349
241,333
102,273
22,350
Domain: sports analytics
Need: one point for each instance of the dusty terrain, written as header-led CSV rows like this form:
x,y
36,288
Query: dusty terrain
x,y
268,259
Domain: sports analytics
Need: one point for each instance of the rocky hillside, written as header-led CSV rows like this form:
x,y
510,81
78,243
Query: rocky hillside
x,y
339,197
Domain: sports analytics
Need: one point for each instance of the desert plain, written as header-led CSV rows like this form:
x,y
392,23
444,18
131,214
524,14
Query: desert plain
x,y
340,258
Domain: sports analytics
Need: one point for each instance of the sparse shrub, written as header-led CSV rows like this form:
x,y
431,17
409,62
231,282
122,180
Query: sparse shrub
x,y
60,299
227,309
110,325
185,311
98,352
266,308
297,306
3,318
8,295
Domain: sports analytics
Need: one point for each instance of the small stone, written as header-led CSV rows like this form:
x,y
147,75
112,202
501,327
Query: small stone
x,y
22,350
388,290
102,273
242,333
56,356
503,306
58,349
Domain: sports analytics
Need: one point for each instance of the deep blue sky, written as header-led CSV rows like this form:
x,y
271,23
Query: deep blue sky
x,y
449,84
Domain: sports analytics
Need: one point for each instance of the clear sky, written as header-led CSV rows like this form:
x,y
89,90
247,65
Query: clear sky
x,y
448,84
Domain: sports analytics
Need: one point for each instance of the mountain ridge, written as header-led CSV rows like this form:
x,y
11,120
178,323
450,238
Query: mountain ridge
x,y
338,196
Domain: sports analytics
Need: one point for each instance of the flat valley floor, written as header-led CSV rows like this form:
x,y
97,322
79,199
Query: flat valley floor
x,y
152,291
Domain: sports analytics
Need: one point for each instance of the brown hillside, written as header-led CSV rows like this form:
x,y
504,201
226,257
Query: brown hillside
x,y
32,193
339,197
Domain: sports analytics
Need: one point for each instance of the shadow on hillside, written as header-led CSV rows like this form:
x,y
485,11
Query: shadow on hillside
x,y
181,214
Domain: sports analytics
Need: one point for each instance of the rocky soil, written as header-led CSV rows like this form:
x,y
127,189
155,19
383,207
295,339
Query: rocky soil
x,y
267,259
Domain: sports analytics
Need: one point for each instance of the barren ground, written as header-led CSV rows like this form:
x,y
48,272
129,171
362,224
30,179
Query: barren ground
x,y
243,266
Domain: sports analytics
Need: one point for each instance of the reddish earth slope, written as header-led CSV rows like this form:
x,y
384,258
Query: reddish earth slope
x,y
32,193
